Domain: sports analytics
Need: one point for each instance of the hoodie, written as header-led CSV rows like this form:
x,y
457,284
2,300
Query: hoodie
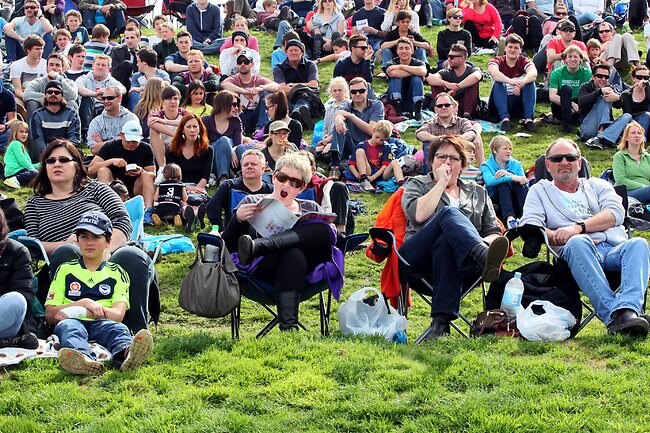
x,y
109,127
89,82
205,24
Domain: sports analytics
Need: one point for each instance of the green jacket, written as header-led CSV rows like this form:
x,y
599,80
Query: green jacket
x,y
629,172
17,158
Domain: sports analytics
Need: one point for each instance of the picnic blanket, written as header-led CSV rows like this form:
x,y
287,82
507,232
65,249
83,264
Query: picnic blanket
x,y
46,349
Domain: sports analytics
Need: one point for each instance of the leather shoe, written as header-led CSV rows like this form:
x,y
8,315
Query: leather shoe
x,y
496,254
626,321
439,328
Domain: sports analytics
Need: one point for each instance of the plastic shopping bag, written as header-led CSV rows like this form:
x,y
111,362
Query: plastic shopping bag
x,y
544,321
367,313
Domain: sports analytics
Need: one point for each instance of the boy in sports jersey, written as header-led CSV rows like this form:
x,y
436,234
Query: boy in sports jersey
x,y
87,301
171,196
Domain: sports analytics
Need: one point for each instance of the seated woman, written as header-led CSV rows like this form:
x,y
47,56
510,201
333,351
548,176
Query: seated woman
x,y
326,26
483,22
195,99
452,234
277,107
390,17
150,102
224,130
277,144
63,192
191,151
16,293
505,180
305,253
631,165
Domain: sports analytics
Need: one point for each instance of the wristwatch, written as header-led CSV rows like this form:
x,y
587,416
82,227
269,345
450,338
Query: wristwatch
x,y
583,227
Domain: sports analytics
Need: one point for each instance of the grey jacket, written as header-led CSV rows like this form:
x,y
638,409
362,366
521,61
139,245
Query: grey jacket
x,y
546,206
474,203
109,127
35,90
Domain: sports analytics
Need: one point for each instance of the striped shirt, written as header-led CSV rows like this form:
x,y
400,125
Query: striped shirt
x,y
54,220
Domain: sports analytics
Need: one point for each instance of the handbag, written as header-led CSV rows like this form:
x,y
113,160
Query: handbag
x,y
493,322
210,289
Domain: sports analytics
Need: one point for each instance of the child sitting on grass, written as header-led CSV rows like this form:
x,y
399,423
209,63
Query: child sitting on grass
x,y
171,195
373,159
87,301
19,168
341,51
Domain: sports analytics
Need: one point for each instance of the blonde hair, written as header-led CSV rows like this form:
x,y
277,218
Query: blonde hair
x,y
622,145
13,130
498,142
320,9
339,81
452,11
151,99
297,161
384,127
392,3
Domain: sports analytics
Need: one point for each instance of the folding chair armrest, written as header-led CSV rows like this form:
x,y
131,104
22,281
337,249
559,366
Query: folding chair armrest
x,y
29,241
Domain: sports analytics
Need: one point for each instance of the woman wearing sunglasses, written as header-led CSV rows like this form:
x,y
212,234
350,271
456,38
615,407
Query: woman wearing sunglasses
x,y
452,233
631,163
304,253
62,193
619,50
327,25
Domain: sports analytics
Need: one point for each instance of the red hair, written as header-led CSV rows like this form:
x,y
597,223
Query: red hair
x,y
200,145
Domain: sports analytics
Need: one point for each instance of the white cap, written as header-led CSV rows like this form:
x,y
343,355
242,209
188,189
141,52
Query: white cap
x,y
132,130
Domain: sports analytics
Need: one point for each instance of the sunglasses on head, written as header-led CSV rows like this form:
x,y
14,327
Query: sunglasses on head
x,y
570,157
243,62
357,91
568,30
284,178
53,92
108,98
603,76
62,159
457,17
446,105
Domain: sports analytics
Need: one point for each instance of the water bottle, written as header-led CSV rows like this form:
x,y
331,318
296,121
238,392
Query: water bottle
x,y
212,253
512,294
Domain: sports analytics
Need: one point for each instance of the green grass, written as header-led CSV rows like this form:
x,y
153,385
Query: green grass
x,y
199,380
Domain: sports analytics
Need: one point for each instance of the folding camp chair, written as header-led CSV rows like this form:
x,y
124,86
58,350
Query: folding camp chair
x,y
139,9
411,279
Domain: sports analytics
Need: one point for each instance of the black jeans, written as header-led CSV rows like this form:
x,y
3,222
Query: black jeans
x,y
510,197
563,111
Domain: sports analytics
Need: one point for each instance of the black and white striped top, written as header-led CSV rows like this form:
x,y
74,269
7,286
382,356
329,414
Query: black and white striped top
x,y
54,220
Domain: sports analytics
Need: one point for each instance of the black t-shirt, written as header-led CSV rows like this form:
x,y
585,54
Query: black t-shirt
x,y
170,191
413,62
450,76
375,17
195,168
7,103
446,38
141,155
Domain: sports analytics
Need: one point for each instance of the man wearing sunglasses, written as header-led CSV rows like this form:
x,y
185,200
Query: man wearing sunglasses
x,y
53,120
583,219
35,90
595,101
564,39
229,56
619,51
33,23
110,122
460,80
359,63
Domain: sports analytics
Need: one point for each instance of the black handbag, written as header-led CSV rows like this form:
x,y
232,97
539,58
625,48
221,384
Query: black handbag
x,y
210,289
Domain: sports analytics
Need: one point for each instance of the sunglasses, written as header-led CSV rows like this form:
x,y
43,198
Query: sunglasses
x,y
357,91
604,31
235,104
62,159
561,14
444,156
243,62
570,157
284,178
457,17
569,30
30,7
108,98
443,105
642,77
362,47
453,56
53,92
602,76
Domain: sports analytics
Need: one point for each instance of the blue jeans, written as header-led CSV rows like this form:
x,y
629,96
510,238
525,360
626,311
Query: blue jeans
x,y
342,147
642,194
137,265
116,21
375,42
15,49
439,252
87,112
256,119
222,156
13,308
438,9
589,17
212,48
408,89
132,101
588,263
3,140
387,55
614,131
506,104
283,28
600,115
76,334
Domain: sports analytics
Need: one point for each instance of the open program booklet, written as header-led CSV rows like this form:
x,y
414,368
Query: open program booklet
x,y
274,217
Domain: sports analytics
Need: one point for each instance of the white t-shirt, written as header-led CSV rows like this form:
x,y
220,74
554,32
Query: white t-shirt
x,y
578,202
20,69
24,29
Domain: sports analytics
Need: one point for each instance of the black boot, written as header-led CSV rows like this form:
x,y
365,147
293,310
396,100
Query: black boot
x,y
491,257
250,248
317,47
25,341
439,327
288,310
626,321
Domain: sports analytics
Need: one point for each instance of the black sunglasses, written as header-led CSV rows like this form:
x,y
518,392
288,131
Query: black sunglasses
x,y
561,14
284,178
447,105
457,17
62,159
453,56
30,7
642,77
243,62
602,76
362,47
108,98
357,91
570,157
53,92
235,103
605,31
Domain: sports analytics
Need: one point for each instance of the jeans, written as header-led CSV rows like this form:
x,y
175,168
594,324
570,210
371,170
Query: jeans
x,y
15,49
3,140
137,265
76,334
409,90
511,197
116,21
589,17
375,42
387,55
213,48
438,9
132,100
87,111
614,131
256,119
642,194
222,156
505,104
600,115
588,263
13,308
283,28
439,251
342,147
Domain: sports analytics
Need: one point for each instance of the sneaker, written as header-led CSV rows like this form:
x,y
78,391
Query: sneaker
x,y
12,182
213,180
530,126
159,177
156,220
200,215
335,172
481,51
148,217
178,221
367,186
139,350
512,223
595,143
506,125
25,341
75,362
189,216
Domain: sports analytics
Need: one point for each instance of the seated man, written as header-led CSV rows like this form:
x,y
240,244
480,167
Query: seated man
x,y
32,66
229,56
110,121
124,57
35,90
447,122
359,62
619,51
107,12
76,57
146,63
558,45
20,28
514,88
460,80
367,21
130,160
7,115
204,24
253,164
564,85
406,81
196,71
595,101
176,62
53,120
403,30
583,219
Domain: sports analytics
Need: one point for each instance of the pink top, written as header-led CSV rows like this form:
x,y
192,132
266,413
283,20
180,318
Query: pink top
x,y
252,43
488,23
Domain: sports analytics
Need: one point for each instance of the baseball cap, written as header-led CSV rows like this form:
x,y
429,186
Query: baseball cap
x,y
247,54
132,130
567,25
278,125
95,222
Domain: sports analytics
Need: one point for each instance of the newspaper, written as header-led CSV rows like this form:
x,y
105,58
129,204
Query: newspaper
x,y
273,217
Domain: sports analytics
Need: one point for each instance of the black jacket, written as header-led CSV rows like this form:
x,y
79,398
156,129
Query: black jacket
x,y
588,95
16,272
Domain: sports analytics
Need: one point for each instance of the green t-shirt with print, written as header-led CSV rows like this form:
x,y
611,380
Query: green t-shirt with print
x,y
561,77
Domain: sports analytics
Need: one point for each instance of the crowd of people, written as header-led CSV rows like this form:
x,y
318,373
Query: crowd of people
x,y
160,121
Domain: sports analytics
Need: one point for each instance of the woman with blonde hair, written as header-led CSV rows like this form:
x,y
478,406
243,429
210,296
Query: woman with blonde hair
x,y
631,163
483,22
150,102
393,9
326,25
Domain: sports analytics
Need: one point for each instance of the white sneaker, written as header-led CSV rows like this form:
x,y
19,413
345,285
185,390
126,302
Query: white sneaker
x,y
213,180
481,51
367,186
159,176
12,182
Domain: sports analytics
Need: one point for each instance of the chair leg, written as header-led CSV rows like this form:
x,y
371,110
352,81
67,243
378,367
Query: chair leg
x,y
235,320
269,326
324,308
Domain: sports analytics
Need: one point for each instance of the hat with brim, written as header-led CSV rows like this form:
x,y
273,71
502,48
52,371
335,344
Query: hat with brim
x,y
247,54
279,125
132,130
95,222
567,25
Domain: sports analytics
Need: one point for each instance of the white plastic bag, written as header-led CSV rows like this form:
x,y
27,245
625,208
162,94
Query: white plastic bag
x,y
366,313
553,325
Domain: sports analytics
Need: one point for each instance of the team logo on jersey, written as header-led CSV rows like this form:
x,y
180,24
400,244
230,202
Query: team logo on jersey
x,y
74,289
104,289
